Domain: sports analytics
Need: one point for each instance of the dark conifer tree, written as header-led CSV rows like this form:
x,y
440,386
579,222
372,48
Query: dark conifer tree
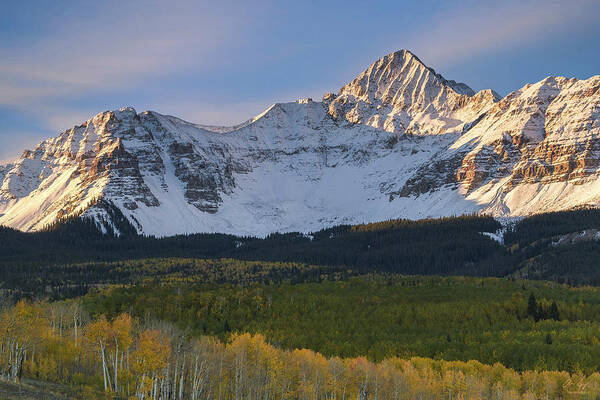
x,y
554,313
532,308
541,313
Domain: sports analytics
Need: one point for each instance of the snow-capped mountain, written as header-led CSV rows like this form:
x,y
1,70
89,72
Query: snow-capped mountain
x,y
398,141
398,93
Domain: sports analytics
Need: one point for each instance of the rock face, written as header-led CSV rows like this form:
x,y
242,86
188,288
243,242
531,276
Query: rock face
x,y
537,149
398,141
399,93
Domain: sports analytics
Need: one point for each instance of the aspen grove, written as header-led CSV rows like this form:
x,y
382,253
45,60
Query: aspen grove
x,y
127,358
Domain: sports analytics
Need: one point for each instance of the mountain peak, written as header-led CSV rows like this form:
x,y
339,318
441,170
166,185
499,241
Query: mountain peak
x,y
400,67
402,55
399,93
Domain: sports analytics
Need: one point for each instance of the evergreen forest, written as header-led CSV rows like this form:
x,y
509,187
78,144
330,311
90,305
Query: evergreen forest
x,y
455,308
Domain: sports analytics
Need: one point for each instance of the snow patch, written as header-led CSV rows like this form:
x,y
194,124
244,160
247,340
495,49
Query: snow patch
x,y
495,236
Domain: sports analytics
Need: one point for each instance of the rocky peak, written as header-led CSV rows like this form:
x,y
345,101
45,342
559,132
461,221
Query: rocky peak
x,y
391,76
399,93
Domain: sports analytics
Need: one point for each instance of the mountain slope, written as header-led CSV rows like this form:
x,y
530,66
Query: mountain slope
x,y
398,141
536,150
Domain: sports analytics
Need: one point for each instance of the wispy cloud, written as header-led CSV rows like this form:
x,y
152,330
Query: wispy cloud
x,y
114,51
477,28
119,48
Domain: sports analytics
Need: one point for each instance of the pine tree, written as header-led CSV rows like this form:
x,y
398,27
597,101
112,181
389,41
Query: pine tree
x,y
554,314
532,308
541,314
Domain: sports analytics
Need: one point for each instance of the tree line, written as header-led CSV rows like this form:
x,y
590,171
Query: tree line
x,y
124,357
443,246
60,281
70,257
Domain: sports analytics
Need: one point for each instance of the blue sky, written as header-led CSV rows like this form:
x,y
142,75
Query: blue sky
x,y
61,62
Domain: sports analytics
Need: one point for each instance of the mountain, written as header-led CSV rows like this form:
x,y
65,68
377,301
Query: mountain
x,y
398,141
399,93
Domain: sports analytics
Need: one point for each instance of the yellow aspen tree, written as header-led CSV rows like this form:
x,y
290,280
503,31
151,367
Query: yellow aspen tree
x,y
97,335
121,336
151,357
23,327
76,312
